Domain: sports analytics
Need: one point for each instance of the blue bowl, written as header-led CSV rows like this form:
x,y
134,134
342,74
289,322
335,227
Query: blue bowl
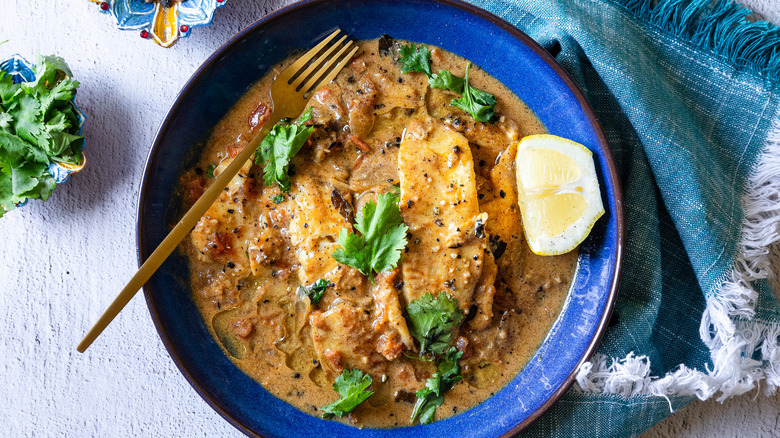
x,y
22,70
455,26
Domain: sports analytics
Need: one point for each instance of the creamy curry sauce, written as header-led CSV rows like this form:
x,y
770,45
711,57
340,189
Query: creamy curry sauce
x,y
374,128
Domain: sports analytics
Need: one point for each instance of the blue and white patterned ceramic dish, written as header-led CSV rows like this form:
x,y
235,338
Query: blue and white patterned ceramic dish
x,y
165,25
499,49
23,71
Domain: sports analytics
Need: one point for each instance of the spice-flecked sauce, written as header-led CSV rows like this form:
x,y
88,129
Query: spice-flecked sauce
x,y
375,128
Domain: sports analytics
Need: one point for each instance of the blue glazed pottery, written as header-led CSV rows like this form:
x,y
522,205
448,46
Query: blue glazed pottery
x,y
164,24
23,71
499,49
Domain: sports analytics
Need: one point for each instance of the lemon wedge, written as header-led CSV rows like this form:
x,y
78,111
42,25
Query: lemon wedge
x,y
558,193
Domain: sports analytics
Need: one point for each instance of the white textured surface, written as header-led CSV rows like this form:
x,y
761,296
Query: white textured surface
x,y
63,261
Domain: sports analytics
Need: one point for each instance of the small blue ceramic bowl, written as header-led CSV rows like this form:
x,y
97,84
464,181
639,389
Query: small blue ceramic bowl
x,y
21,70
502,51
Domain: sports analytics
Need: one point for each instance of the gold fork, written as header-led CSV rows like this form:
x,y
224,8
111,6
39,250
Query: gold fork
x,y
289,94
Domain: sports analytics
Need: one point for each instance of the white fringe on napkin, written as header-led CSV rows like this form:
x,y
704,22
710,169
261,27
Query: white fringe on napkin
x,y
744,351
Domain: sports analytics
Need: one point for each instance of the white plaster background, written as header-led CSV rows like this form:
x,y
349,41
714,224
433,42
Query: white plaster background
x,y
63,261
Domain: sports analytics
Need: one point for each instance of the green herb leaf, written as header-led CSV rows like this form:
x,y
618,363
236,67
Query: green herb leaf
x,y
415,59
381,240
315,290
210,170
431,321
306,116
351,386
38,126
277,199
279,147
432,396
445,80
474,101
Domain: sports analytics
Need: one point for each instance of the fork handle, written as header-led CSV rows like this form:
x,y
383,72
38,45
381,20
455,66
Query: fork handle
x,y
177,234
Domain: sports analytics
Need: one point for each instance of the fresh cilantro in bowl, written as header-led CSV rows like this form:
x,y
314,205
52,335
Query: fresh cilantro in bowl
x,y
39,126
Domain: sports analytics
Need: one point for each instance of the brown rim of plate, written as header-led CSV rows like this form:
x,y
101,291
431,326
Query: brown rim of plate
x,y
525,39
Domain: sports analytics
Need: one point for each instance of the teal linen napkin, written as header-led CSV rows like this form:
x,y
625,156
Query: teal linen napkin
x,y
687,93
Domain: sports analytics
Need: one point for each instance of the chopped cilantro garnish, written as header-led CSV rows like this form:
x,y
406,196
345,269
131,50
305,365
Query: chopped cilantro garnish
x,y
431,321
415,59
38,126
277,199
380,242
279,147
306,116
351,386
432,396
210,170
474,101
315,290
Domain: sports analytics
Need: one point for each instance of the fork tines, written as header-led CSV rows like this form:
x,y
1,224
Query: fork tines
x,y
322,63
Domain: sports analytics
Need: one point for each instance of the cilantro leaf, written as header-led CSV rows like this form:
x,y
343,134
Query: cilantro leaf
x,y
306,116
381,240
49,70
38,126
351,386
415,59
431,321
32,179
315,290
445,80
474,101
8,90
279,147
27,117
432,396
277,199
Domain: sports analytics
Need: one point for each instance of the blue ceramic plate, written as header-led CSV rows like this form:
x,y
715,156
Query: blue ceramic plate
x,y
502,51
163,25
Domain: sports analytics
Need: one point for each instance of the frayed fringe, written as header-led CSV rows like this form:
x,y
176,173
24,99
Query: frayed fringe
x,y
631,376
717,26
744,352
